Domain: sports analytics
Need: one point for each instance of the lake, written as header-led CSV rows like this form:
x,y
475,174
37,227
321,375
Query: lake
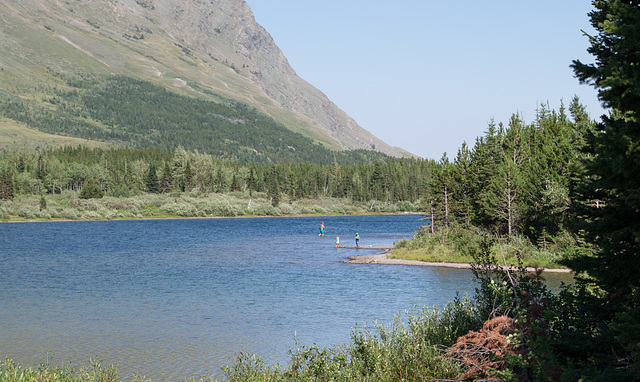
x,y
169,299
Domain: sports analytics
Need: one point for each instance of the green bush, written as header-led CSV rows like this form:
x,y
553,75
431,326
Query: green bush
x,y
28,211
179,209
70,213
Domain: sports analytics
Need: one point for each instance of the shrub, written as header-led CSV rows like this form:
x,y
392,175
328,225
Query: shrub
x,y
179,209
70,213
121,192
28,211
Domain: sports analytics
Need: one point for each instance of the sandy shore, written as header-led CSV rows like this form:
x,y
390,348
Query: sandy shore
x,y
383,259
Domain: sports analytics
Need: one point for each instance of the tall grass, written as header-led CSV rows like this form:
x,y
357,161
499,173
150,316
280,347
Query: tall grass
x,y
409,349
13,372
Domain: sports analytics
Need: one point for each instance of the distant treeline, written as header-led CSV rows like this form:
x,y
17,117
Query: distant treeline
x,y
120,171
139,114
516,179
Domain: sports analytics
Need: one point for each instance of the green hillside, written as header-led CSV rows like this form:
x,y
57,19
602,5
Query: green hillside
x,y
129,112
90,70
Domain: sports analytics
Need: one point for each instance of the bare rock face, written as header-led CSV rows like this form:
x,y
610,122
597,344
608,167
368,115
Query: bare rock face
x,y
216,44
227,30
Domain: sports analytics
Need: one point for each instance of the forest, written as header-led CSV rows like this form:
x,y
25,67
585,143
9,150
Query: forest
x,y
561,180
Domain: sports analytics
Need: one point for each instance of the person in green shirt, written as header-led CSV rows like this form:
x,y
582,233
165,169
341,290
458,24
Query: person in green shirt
x,y
357,240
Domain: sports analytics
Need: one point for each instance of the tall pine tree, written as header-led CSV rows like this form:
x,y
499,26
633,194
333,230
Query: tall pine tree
x,y
609,201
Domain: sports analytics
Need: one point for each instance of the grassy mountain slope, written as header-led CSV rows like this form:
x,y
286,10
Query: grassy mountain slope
x,y
205,50
136,113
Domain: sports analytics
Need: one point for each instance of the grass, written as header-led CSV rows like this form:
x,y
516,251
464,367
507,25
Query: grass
x,y
13,372
15,134
436,255
459,244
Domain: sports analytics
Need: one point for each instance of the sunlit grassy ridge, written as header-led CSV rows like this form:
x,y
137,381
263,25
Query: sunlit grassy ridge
x,y
15,134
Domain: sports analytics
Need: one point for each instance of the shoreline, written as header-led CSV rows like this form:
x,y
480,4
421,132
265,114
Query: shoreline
x,y
382,259
206,217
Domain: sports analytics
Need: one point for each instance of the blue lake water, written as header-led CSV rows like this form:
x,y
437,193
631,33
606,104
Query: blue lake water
x,y
169,299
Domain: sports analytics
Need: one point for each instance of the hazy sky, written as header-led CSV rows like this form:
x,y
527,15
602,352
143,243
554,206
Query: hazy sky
x,y
427,75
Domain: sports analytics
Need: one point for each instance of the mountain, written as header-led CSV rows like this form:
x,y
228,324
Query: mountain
x,y
210,50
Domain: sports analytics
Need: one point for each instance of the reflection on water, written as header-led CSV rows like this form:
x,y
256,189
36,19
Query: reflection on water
x,y
169,299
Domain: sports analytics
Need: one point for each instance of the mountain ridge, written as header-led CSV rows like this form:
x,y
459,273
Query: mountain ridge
x,y
201,48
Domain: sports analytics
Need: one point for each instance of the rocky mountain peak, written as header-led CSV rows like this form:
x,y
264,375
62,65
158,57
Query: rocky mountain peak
x,y
216,44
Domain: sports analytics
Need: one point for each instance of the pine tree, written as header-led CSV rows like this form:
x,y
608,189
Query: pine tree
x,y
252,182
188,175
462,184
273,188
486,157
151,180
441,187
609,199
167,179
91,190
235,185
7,186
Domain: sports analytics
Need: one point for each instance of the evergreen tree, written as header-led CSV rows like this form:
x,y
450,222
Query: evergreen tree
x,y
235,185
273,188
167,179
508,186
252,182
7,185
188,175
609,199
219,180
151,180
441,186
91,190
462,185
486,158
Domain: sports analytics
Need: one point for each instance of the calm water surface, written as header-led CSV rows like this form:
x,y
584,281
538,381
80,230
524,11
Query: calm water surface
x,y
169,299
